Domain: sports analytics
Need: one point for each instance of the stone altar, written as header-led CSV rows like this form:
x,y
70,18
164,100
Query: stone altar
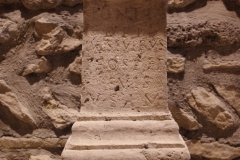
x,y
124,112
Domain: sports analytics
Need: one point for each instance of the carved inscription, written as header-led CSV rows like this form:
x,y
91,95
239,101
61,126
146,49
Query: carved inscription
x,y
124,56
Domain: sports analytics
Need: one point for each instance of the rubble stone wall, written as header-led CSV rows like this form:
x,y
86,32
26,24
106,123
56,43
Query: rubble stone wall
x,y
40,76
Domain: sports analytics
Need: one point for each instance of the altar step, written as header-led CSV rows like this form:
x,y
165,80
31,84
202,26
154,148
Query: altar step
x,y
107,139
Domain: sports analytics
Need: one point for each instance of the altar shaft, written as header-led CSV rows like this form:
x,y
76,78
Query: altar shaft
x,y
124,56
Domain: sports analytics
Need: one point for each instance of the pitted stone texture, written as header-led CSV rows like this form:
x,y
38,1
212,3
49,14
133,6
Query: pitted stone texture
x,y
175,64
42,65
231,94
183,119
124,56
8,30
10,100
128,139
128,154
211,107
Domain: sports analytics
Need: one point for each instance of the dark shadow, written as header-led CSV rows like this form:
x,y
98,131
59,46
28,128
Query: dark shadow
x,y
189,8
34,78
231,6
176,76
20,127
74,78
63,132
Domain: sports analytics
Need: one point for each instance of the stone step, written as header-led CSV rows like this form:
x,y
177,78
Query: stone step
x,y
127,154
124,134
124,116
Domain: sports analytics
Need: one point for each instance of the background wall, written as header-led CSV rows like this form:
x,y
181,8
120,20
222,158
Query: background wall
x,y
40,76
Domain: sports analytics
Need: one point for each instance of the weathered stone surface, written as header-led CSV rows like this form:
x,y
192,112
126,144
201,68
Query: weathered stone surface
x,y
211,107
44,26
19,143
219,64
175,64
124,98
213,150
56,42
40,157
72,2
124,67
179,3
41,66
183,119
76,66
186,31
61,115
10,100
8,30
231,94
41,4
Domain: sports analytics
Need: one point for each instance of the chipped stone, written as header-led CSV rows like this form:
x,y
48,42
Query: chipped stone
x,y
8,30
211,107
41,66
231,94
10,100
176,64
61,115
183,119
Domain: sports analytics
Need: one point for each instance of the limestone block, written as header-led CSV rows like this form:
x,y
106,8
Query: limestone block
x,y
183,119
220,64
72,2
76,66
10,100
41,66
231,94
56,42
61,115
44,26
41,4
40,157
175,64
211,107
8,30
213,150
179,3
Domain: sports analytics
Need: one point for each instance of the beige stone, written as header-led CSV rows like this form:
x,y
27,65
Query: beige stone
x,y
8,30
41,4
211,107
30,143
220,64
213,150
231,94
41,66
183,119
56,42
124,98
175,64
179,3
10,100
40,157
76,66
61,115
44,26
